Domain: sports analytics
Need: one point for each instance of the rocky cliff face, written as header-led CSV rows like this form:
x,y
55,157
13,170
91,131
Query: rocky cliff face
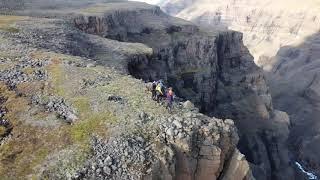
x,y
214,70
267,25
187,146
294,81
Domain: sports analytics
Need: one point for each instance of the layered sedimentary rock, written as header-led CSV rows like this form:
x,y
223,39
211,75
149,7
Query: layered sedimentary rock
x,y
214,70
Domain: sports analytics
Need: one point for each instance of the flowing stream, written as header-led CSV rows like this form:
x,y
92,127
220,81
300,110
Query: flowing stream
x,y
308,174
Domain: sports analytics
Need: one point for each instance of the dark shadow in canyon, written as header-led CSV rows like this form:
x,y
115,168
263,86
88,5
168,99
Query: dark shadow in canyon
x,y
295,86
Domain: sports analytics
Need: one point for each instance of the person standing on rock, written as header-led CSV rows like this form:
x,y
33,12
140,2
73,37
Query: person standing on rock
x,y
153,90
159,91
170,95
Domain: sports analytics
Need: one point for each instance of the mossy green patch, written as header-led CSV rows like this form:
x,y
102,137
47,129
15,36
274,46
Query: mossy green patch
x,y
2,130
57,75
28,70
30,144
5,66
7,22
21,155
90,122
8,54
40,116
82,104
95,124
10,29
39,156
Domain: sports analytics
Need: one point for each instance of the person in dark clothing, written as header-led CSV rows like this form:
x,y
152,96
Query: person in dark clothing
x,y
153,90
170,99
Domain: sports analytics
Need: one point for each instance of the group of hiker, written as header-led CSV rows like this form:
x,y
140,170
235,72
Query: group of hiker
x,y
160,92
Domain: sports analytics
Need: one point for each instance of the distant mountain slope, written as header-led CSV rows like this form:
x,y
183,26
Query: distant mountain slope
x,y
267,25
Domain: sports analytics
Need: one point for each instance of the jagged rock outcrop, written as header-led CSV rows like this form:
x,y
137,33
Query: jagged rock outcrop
x,y
214,70
187,146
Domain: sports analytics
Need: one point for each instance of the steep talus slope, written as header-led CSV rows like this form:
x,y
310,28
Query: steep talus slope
x,y
267,25
294,83
69,110
214,70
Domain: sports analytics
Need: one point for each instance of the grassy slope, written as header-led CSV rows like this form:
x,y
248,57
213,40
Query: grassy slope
x,y
32,145
7,22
